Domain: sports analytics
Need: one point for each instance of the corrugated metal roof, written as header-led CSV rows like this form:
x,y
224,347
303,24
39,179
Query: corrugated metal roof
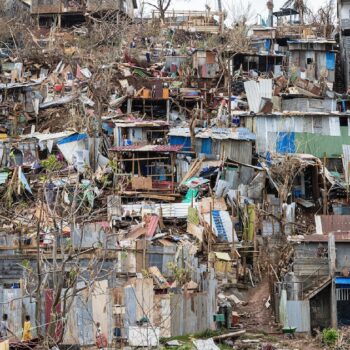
x,y
253,95
139,123
265,87
148,148
333,223
3,177
20,85
72,138
311,41
215,133
50,136
339,237
169,210
293,113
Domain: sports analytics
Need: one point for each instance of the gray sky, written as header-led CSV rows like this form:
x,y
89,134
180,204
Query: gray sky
x,y
259,6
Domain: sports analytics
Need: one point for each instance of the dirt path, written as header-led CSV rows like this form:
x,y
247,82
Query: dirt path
x,y
256,317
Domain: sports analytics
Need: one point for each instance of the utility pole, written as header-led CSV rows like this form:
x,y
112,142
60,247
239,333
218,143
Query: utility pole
x,y
229,90
269,5
219,5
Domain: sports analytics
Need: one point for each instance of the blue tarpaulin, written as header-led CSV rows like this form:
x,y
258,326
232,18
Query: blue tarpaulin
x,y
181,140
72,138
330,59
267,45
285,142
206,146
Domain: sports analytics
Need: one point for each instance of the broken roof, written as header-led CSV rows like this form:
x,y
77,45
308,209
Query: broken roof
x,y
148,148
49,136
139,123
215,133
312,41
20,85
315,238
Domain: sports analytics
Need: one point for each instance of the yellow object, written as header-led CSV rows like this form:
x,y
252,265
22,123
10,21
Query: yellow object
x,y
165,94
146,93
3,136
27,333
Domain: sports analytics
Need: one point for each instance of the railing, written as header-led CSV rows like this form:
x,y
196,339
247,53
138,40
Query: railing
x,y
200,20
298,290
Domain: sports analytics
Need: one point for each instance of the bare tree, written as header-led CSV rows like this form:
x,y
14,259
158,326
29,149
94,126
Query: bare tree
x,y
161,6
240,12
66,270
324,18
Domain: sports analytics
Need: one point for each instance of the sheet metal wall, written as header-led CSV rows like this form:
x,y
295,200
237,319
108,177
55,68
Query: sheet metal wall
x,y
313,134
309,105
298,312
240,151
90,234
12,305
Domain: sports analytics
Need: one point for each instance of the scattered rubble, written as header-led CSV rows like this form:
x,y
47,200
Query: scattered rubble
x,y
154,187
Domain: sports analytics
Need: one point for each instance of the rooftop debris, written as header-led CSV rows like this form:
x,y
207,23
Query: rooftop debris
x,y
170,176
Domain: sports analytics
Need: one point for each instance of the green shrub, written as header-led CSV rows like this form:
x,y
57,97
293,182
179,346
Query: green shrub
x,y
330,336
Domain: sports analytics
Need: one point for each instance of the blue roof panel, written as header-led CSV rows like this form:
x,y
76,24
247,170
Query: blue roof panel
x,y
342,280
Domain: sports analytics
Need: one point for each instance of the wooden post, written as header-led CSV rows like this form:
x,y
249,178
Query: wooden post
x,y
129,107
324,193
172,171
168,110
139,167
347,184
144,252
332,270
229,90
133,164
201,111
210,233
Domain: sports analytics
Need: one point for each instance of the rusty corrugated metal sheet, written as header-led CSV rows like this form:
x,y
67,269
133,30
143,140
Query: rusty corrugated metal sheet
x,y
151,224
333,223
339,237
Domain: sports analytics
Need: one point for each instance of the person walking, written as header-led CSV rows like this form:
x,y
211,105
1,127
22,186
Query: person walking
x,y
27,329
4,330
101,340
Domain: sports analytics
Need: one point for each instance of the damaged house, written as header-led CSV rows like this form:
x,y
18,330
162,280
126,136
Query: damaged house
x,y
69,12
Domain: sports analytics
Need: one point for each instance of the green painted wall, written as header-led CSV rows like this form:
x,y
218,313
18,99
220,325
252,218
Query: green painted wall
x,y
317,145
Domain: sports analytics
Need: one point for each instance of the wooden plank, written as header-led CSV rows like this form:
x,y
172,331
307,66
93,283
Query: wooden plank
x,y
141,183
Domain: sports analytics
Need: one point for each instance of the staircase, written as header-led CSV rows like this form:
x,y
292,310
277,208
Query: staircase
x,y
317,287
314,283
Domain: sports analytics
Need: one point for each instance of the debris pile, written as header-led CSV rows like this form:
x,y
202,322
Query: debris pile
x,y
152,188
